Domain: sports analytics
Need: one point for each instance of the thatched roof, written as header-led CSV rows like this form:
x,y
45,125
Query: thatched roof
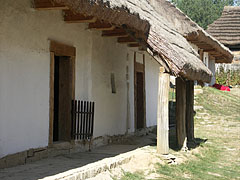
x,y
160,37
227,28
192,31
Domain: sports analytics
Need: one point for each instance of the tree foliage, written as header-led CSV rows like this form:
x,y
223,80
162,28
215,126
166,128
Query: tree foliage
x,y
204,12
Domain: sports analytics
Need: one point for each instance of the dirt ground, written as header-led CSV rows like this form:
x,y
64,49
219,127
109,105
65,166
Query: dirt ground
x,y
217,130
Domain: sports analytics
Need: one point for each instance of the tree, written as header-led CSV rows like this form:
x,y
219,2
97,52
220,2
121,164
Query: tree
x,y
204,12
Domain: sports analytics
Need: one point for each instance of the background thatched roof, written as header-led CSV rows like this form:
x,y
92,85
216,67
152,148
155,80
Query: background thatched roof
x,y
227,28
191,30
161,37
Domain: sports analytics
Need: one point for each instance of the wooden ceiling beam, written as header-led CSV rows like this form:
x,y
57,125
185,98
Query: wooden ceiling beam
x,y
205,47
115,33
48,5
134,45
70,17
101,26
209,50
126,40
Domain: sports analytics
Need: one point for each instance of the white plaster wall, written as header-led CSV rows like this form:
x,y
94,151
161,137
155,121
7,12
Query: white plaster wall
x,y
206,59
24,71
111,109
152,82
24,76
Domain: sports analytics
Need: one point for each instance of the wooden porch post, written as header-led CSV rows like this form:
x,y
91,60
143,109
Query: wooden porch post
x,y
181,113
163,117
189,110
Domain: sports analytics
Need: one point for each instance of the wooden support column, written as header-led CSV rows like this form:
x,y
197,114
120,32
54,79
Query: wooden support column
x,y
189,110
181,113
163,113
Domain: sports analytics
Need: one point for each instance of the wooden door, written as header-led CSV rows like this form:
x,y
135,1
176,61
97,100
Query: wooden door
x,y
65,98
140,101
62,91
139,91
62,98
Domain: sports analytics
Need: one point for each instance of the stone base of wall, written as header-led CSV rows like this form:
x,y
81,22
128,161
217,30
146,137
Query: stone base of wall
x,y
62,148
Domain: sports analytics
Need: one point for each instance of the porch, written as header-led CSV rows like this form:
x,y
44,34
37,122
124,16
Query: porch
x,y
82,164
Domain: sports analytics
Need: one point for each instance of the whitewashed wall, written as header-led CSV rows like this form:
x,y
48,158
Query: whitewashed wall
x,y
111,110
25,71
152,80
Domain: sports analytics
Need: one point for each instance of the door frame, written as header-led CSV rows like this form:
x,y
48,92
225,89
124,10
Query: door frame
x,y
58,49
138,67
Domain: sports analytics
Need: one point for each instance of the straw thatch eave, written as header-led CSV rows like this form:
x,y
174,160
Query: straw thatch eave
x,y
189,29
227,28
160,39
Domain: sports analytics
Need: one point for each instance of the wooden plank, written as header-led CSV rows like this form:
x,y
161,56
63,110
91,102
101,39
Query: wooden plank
x,y
118,32
70,17
48,5
87,121
92,119
84,119
163,113
65,98
72,118
101,26
78,119
81,121
181,113
190,111
134,45
144,92
60,49
51,100
126,40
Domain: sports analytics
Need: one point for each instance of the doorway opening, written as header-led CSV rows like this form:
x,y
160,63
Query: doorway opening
x,y
62,91
140,101
139,90
62,99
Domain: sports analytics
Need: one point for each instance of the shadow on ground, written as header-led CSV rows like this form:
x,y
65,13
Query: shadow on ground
x,y
59,164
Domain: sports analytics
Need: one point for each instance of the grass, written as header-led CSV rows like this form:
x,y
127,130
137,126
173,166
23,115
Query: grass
x,y
130,176
217,158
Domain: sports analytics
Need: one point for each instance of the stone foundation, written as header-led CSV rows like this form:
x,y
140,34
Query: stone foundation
x,y
62,148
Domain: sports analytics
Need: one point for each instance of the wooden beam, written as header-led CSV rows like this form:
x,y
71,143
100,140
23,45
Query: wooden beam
x,y
163,113
101,26
142,48
209,50
181,113
190,111
134,45
204,47
126,40
48,5
71,17
118,32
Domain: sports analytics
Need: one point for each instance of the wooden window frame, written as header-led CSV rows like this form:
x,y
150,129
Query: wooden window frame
x,y
58,49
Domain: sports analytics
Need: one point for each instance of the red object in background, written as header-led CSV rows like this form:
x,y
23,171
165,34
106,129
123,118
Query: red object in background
x,y
221,87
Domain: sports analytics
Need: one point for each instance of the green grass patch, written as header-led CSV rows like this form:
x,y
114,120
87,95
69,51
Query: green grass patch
x,y
132,176
217,131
